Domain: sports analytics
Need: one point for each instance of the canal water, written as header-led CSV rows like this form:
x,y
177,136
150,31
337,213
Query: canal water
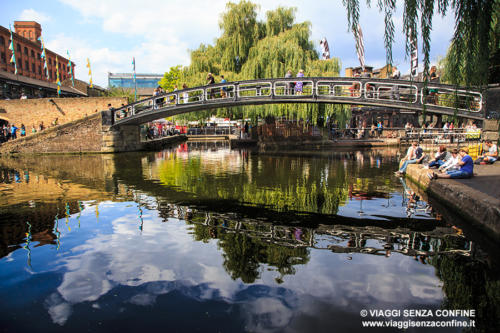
x,y
204,238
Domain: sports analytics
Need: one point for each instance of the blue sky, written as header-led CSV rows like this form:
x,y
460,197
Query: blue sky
x,y
160,33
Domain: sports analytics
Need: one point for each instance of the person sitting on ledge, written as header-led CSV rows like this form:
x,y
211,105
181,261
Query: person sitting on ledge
x,y
452,163
490,156
441,157
466,167
414,155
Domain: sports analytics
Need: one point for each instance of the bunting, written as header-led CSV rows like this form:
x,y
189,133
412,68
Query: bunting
x,y
70,70
44,57
90,72
58,82
11,47
360,47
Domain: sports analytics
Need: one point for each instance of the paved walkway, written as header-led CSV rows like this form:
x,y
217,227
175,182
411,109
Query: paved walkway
x,y
486,179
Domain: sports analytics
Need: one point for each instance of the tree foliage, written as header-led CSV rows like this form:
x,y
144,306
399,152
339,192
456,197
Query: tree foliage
x,y
250,49
171,78
475,37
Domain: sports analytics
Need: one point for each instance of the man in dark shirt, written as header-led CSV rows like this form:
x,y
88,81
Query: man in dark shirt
x,y
210,80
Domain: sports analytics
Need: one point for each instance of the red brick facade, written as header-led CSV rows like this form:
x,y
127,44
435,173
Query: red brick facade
x,y
28,53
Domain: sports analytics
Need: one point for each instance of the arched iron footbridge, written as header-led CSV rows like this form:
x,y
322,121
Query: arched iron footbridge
x,y
400,94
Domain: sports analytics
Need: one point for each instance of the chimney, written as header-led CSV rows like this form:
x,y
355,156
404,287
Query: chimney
x,y
28,29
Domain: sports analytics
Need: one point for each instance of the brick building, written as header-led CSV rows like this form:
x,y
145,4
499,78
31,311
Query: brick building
x,y
30,65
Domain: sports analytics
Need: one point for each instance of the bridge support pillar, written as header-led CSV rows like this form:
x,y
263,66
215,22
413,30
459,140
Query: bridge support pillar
x,y
122,139
119,139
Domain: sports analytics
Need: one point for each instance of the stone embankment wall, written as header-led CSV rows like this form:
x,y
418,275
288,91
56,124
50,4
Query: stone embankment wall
x,y
91,134
31,112
83,135
481,207
490,129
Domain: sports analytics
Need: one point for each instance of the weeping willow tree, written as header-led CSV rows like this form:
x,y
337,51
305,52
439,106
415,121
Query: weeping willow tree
x,y
474,41
250,49
456,68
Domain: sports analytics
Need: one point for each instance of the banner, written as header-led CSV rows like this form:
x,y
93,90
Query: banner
x,y
414,55
11,47
58,81
135,82
70,69
90,73
325,50
44,57
360,47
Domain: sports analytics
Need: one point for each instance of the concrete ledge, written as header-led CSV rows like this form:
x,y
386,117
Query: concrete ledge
x,y
478,203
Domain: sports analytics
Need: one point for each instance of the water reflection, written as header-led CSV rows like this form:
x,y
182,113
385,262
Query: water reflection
x,y
194,238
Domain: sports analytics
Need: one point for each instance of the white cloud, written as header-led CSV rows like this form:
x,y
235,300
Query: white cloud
x,y
33,15
160,33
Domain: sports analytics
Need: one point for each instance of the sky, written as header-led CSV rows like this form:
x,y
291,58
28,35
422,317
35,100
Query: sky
x,y
161,33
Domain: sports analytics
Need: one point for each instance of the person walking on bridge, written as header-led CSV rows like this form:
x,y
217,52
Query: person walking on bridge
x,y
299,84
290,87
210,81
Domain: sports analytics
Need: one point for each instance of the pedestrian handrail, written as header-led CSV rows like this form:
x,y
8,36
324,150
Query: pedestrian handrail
x,y
357,91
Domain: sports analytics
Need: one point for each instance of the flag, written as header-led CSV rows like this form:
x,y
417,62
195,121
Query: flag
x,y
70,69
325,51
135,82
413,54
360,47
11,47
90,72
58,82
44,57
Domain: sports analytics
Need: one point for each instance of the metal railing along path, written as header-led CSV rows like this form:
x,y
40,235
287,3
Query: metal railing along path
x,y
402,94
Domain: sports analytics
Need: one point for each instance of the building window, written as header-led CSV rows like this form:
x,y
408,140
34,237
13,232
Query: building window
x,y
40,70
39,56
19,64
26,65
30,34
2,57
50,61
19,48
2,40
33,68
25,50
32,53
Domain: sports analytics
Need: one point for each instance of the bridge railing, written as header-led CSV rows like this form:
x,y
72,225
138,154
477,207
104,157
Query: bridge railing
x,y
452,98
364,90
342,89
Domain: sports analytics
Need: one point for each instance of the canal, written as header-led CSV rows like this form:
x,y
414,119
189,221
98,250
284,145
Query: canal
x,y
204,238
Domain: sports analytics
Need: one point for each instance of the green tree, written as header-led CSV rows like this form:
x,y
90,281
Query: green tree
x,y
171,78
249,49
476,32
240,31
455,67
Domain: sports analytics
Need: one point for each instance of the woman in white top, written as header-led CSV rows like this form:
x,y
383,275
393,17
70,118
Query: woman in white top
x,y
452,163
